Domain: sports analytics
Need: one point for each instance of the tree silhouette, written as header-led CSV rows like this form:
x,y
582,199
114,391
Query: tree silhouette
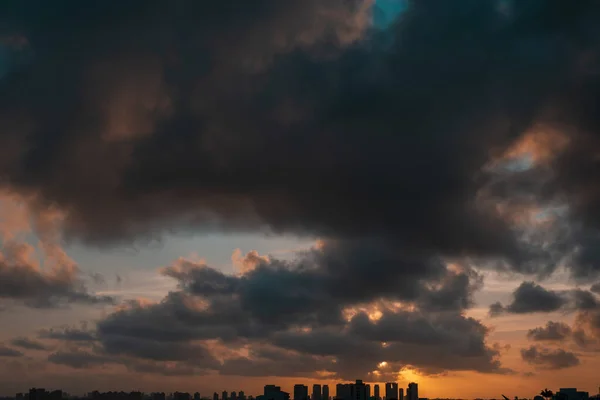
x,y
546,393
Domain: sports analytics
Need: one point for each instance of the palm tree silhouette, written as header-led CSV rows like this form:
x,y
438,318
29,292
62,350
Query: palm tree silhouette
x,y
546,393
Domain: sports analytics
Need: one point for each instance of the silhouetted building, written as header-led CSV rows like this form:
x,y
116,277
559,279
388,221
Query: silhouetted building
x,y
37,394
233,396
400,394
55,395
361,391
224,395
241,395
300,392
325,394
196,396
412,392
316,393
376,392
353,391
181,396
572,394
342,391
272,392
160,396
391,391
215,396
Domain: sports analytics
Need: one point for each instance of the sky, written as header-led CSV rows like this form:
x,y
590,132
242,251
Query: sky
x,y
208,196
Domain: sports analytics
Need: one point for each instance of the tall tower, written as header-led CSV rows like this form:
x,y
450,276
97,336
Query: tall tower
x,y
325,395
376,391
224,395
412,393
316,394
401,394
391,391
300,392
361,391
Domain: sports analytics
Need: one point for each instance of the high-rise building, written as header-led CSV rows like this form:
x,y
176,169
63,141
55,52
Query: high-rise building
x,y
376,392
342,391
224,395
352,391
316,393
181,396
273,392
412,393
325,395
215,396
37,394
241,395
391,391
197,396
401,394
300,392
361,391
234,396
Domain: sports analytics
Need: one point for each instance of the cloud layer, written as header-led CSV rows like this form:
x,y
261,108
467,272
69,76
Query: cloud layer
x,y
459,138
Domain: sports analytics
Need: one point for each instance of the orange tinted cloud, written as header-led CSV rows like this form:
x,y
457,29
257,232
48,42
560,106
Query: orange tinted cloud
x,y
541,144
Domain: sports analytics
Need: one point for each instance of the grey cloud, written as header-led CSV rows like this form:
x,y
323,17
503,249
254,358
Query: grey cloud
x,y
427,342
78,359
20,280
68,334
276,362
313,290
549,358
553,331
585,300
221,117
159,350
163,369
530,297
29,344
8,352
496,309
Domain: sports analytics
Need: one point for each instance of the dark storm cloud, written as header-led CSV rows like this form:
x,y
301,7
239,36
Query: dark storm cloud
x,y
530,297
8,352
163,369
553,331
158,350
319,282
281,115
585,331
549,358
28,344
78,359
276,362
269,303
595,288
68,334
